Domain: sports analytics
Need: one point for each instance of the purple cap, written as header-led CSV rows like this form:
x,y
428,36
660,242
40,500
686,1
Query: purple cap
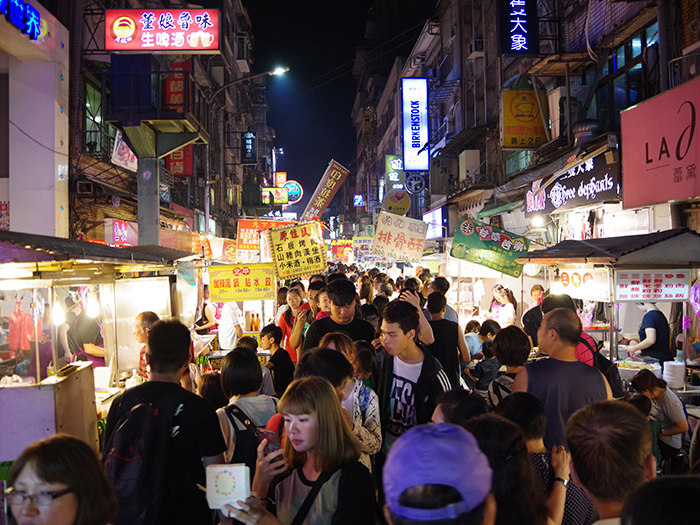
x,y
440,454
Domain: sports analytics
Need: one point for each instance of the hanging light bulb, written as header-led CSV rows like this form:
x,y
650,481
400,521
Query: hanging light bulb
x,y
92,308
59,316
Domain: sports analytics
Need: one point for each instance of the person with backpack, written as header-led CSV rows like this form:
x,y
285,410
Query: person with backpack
x,y
326,483
241,378
160,438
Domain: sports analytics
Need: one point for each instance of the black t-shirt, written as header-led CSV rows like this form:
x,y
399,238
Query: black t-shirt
x,y
198,435
84,330
532,319
357,330
661,349
446,347
282,371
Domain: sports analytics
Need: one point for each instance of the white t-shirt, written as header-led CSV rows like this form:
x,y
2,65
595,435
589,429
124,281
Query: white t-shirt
x,y
227,326
506,315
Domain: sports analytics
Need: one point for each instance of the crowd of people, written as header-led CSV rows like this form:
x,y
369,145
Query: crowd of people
x,y
367,412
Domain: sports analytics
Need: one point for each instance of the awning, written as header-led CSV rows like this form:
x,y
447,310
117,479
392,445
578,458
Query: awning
x,y
496,208
462,140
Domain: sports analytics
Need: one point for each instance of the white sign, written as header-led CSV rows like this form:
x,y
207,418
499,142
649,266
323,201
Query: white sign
x,y
434,220
399,238
652,285
122,154
583,283
414,96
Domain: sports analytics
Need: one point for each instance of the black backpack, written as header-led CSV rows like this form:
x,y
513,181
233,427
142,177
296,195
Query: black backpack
x,y
247,440
608,369
136,457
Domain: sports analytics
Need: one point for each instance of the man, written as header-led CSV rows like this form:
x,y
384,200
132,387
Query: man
x,y
230,329
341,294
386,289
378,280
317,277
196,436
279,363
562,383
610,444
407,380
142,327
449,347
85,340
438,474
442,285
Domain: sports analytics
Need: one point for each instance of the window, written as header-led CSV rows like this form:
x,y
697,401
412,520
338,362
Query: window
x,y
97,136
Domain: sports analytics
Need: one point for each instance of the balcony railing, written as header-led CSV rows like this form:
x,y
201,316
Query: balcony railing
x,y
683,69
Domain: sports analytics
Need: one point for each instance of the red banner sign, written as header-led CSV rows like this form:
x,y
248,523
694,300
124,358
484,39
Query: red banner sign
x,y
248,237
661,159
325,191
174,30
180,162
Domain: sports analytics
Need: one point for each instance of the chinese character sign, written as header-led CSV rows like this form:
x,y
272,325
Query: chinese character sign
x,y
298,250
249,148
173,30
122,155
394,174
523,123
341,250
483,244
248,237
662,147
399,238
181,161
652,285
23,16
414,99
518,28
584,283
362,247
242,282
330,183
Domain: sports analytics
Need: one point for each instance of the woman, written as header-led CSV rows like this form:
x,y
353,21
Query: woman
x,y
366,293
653,334
206,318
667,409
59,481
281,303
537,294
511,346
458,406
339,341
286,322
321,450
503,309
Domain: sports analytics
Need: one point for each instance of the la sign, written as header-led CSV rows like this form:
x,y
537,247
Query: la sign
x,y
661,148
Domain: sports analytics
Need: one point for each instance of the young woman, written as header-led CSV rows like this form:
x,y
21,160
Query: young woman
x,y
286,322
503,307
339,341
366,293
321,450
206,319
281,303
59,481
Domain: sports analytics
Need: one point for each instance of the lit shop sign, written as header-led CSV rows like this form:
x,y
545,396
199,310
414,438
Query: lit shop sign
x,y
279,196
652,285
582,283
518,28
294,191
358,200
174,30
249,148
395,177
434,220
23,16
414,96
589,182
280,178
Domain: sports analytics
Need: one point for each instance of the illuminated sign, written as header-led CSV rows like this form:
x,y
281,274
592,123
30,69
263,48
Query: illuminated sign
x,y
119,230
434,220
174,30
652,285
518,28
280,178
249,148
395,176
23,16
359,200
414,96
279,195
294,191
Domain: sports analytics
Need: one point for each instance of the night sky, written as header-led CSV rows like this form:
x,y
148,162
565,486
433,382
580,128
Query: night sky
x,y
309,106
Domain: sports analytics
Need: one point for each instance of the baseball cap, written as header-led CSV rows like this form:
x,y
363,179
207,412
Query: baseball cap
x,y
440,454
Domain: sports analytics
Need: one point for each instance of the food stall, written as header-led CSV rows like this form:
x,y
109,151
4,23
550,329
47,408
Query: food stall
x,y
620,271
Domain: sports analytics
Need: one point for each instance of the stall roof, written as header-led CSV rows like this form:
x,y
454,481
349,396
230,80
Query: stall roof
x,y
671,248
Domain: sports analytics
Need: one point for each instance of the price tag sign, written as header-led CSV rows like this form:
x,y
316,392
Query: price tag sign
x,y
652,285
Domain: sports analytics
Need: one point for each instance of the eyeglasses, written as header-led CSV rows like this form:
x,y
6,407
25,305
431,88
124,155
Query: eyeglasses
x,y
43,499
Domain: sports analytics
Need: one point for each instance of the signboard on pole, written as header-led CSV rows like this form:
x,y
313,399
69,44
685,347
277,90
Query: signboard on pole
x,y
298,250
325,191
242,282
483,244
652,285
414,101
248,237
399,238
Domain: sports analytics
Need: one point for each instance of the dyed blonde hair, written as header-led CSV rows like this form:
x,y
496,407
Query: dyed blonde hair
x,y
335,444
341,342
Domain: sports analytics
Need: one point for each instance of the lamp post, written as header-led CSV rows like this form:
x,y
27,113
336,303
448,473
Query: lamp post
x,y
276,71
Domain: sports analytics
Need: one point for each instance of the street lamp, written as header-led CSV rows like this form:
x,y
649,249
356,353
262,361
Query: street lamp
x,y
276,71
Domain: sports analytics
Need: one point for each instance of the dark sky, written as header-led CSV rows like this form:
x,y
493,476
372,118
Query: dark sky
x,y
309,106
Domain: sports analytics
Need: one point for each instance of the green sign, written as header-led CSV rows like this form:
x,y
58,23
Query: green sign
x,y
477,242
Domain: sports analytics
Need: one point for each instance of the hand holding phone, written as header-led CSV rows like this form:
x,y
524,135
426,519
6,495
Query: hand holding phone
x,y
273,440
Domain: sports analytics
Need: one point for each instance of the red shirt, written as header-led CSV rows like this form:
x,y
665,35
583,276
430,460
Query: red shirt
x,y
287,333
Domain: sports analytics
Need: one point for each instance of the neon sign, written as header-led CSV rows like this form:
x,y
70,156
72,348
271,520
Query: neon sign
x,y
414,95
151,30
518,28
23,16
294,191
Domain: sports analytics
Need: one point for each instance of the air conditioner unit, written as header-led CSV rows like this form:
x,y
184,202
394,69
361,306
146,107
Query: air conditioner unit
x,y
475,49
577,92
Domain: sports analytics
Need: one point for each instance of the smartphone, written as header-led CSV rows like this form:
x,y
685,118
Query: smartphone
x,y
273,440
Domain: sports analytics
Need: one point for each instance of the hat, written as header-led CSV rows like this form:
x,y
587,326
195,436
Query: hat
x,y
440,454
69,302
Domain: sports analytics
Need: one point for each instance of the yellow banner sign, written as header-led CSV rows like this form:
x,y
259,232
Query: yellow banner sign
x,y
242,282
298,250
523,124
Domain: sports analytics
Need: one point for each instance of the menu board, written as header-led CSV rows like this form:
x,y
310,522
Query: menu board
x,y
242,282
584,283
399,238
652,285
298,250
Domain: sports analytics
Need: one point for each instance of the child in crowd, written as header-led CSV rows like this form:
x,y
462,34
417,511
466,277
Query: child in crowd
x,y
643,404
249,342
485,371
322,304
280,363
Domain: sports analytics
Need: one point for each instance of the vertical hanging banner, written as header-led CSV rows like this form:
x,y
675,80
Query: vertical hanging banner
x,y
298,250
180,162
483,244
242,282
325,191
399,238
414,101
518,29
249,148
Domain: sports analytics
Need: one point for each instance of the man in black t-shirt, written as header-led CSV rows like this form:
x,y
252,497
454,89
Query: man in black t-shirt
x,y
449,346
280,363
196,435
342,296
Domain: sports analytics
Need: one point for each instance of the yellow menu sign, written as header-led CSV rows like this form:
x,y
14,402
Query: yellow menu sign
x,y
298,250
242,282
